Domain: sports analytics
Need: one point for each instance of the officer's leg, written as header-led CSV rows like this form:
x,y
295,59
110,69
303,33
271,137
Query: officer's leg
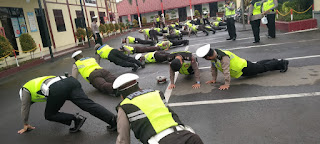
x,y
59,93
158,34
234,35
79,98
184,137
117,58
154,36
99,39
127,59
202,28
161,56
229,27
178,42
255,29
271,25
146,49
141,41
102,81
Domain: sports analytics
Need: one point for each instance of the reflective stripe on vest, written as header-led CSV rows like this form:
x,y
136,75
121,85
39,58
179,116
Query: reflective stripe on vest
x,y
130,48
149,57
184,68
86,66
268,5
146,31
257,8
229,12
160,44
34,86
147,114
236,64
131,39
165,28
104,51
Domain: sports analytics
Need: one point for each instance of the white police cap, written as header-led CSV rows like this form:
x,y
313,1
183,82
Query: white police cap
x,y
138,56
202,51
76,53
95,17
123,79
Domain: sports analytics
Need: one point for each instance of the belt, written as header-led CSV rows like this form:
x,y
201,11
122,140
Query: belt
x,y
45,87
156,138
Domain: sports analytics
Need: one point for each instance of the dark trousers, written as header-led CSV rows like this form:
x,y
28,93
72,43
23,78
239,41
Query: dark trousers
x,y
174,36
181,137
255,25
231,28
271,25
70,89
161,56
158,24
183,32
262,66
102,80
210,29
202,28
98,40
141,41
123,60
205,21
179,42
145,49
153,35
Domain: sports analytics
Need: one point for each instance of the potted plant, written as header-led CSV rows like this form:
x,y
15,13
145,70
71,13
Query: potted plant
x,y
6,48
27,44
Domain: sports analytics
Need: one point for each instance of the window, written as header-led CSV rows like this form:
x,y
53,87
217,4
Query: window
x,y
79,21
91,2
101,16
59,20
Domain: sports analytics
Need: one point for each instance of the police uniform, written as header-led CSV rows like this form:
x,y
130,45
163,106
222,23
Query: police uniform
x,y
206,19
55,91
167,44
146,112
229,13
157,21
133,40
151,34
154,57
255,18
132,50
270,5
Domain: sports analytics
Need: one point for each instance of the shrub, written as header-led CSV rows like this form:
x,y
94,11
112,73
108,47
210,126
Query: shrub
x,y
167,17
27,43
196,13
6,48
80,32
111,27
144,21
90,33
116,26
135,23
102,28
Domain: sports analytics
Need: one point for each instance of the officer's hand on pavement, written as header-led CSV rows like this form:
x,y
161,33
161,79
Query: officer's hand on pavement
x,y
209,82
171,86
26,127
224,87
196,86
248,22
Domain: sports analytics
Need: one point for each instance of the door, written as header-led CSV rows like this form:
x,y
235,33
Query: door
x,y
182,14
42,28
213,9
7,25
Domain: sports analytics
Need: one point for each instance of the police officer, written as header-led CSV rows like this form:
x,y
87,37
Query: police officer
x,y
206,18
115,56
150,34
132,50
55,90
166,44
95,30
233,66
254,18
132,40
153,57
157,20
193,29
91,71
186,64
147,113
229,13
268,8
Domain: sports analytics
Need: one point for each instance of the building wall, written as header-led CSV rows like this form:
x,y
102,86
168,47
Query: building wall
x,y
317,11
316,5
148,15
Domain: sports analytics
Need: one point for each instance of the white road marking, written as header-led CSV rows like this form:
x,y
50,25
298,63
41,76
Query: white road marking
x,y
168,91
247,99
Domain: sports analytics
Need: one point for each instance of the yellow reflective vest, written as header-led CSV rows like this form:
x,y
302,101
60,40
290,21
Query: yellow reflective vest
x,y
131,39
162,46
185,68
34,85
257,8
130,48
146,31
104,51
230,12
149,57
268,5
86,66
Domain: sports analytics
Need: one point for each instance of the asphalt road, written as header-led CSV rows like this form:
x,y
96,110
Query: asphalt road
x,y
210,112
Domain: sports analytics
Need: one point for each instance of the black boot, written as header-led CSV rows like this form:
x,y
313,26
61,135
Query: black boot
x,y
285,65
135,68
78,122
113,126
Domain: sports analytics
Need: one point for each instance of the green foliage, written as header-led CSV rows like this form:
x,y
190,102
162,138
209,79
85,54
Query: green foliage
x,y
196,13
107,28
220,5
111,27
90,33
6,47
167,17
298,5
135,23
80,32
144,21
122,25
102,28
27,42
204,9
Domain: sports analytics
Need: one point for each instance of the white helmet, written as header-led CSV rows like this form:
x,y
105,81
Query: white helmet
x,y
124,79
138,56
202,51
76,53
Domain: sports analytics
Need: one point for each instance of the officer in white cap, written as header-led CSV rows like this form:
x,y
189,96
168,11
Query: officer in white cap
x,y
95,30
206,18
55,90
233,66
146,112
92,72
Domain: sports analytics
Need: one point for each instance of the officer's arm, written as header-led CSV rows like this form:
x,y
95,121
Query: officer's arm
x,y
166,44
225,63
214,72
98,58
25,106
195,69
145,36
275,4
123,128
75,71
127,41
172,74
127,50
250,12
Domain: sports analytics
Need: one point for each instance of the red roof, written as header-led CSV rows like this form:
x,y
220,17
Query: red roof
x,y
124,8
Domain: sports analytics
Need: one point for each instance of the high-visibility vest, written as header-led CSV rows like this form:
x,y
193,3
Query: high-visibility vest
x,y
130,48
165,28
219,19
157,29
185,68
149,57
257,8
160,44
236,64
86,66
209,27
229,12
146,31
131,39
206,16
104,51
173,25
148,114
268,5
158,19
177,32
34,86
216,24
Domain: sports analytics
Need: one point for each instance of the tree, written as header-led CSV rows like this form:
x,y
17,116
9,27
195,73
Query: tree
x,y
144,21
107,28
81,33
116,27
135,23
196,13
6,48
111,27
90,33
102,28
27,43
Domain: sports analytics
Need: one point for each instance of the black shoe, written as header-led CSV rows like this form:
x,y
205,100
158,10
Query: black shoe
x,y
78,122
135,68
229,39
143,66
285,65
234,39
187,43
256,42
113,127
213,32
207,33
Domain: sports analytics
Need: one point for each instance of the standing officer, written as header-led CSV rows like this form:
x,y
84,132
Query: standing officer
x,y
233,66
55,91
254,18
115,56
186,64
95,30
91,71
153,57
206,18
156,19
268,8
147,113
132,50
132,40
229,13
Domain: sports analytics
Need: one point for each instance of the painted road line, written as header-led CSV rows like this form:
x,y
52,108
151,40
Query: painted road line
x,y
168,91
247,99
